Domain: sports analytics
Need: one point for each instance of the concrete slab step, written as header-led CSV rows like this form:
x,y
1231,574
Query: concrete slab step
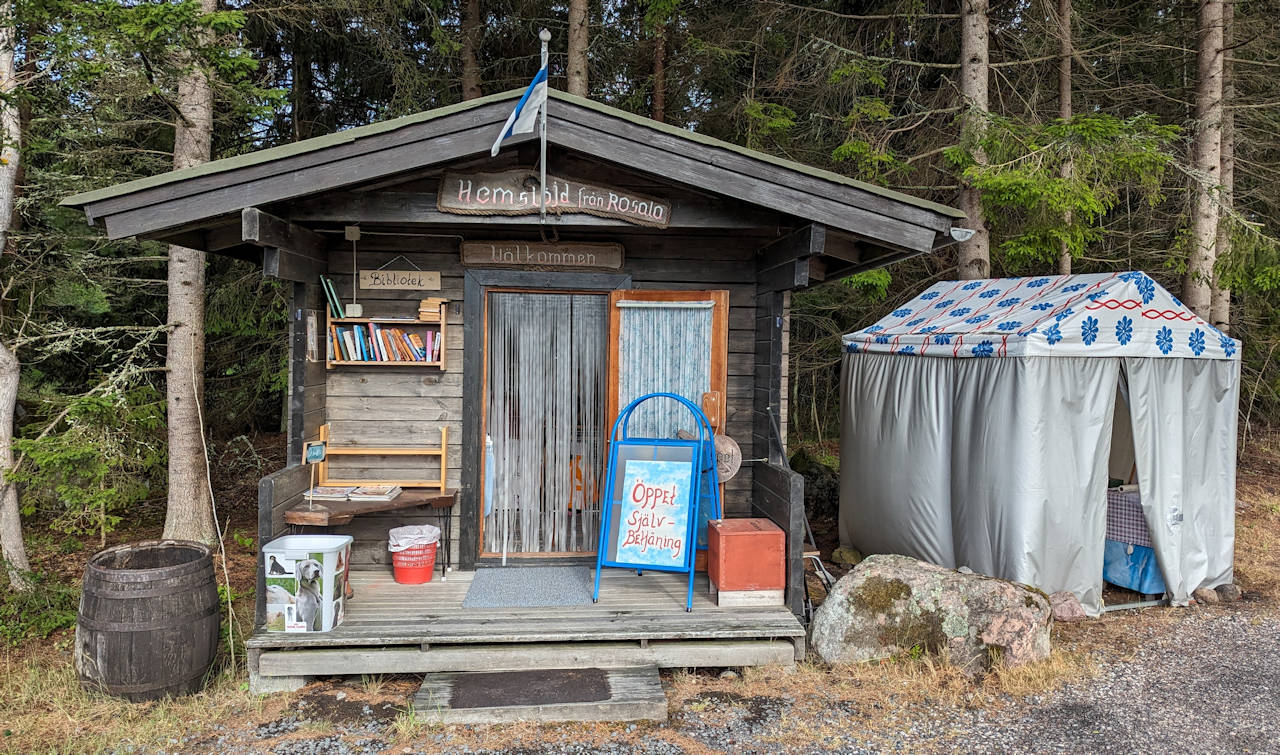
x,y
544,696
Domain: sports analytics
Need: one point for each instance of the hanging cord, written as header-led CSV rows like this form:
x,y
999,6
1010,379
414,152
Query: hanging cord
x,y
355,272
222,546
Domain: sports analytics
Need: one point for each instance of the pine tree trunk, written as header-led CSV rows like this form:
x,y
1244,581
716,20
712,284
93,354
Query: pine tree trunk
x,y
974,259
471,25
1206,160
660,73
577,65
1064,109
1220,299
12,548
190,511
303,96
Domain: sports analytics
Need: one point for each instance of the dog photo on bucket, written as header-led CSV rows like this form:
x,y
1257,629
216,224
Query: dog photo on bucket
x,y
295,590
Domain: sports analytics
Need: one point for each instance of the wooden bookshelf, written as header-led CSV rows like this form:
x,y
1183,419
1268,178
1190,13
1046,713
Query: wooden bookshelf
x,y
435,321
332,449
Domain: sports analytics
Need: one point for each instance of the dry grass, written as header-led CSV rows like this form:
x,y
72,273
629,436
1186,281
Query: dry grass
x,y
44,709
1258,520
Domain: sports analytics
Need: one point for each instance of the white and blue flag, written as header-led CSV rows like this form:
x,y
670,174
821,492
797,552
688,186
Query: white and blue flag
x,y
525,115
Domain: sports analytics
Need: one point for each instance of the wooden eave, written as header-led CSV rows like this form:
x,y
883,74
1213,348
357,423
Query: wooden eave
x,y
201,206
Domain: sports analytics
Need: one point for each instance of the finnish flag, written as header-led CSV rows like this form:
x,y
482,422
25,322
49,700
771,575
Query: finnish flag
x,y
525,115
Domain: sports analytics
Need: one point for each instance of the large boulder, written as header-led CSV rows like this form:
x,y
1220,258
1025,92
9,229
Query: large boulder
x,y
890,605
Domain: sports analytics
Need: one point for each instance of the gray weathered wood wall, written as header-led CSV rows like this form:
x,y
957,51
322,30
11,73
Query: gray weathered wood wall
x,y
406,406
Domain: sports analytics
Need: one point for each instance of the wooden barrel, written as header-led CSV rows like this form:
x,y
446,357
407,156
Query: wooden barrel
x,y
148,622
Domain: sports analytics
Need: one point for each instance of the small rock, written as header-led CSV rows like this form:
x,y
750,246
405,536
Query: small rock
x,y
728,674
1066,607
1205,596
846,556
340,696
1229,593
965,570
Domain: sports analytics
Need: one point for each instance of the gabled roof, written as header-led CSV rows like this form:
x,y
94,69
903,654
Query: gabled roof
x,y
348,158
1099,315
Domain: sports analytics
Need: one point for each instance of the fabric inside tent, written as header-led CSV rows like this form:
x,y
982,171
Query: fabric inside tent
x,y
978,433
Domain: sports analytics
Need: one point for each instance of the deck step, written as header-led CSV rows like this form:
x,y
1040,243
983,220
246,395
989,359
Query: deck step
x,y
543,696
527,657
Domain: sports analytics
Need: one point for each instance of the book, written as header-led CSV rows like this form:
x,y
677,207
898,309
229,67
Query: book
x,y
375,493
420,346
417,356
361,346
349,344
329,345
406,354
330,293
384,352
329,493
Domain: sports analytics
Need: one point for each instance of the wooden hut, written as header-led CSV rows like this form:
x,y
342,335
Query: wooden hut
x,y
426,226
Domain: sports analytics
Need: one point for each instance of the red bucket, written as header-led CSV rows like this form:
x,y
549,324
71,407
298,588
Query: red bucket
x,y
414,565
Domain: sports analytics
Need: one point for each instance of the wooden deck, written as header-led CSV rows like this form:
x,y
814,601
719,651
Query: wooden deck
x,y
639,621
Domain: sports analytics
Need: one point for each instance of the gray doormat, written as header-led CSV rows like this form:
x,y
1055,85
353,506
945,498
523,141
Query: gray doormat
x,y
530,587
591,694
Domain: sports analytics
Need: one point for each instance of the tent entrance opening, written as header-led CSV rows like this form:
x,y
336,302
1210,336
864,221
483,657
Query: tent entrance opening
x,y
545,393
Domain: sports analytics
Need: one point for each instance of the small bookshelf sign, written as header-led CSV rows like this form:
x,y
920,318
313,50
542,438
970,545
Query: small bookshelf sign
x,y
564,255
400,280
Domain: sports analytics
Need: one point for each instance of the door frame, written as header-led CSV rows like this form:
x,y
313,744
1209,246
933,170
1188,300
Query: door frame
x,y
476,283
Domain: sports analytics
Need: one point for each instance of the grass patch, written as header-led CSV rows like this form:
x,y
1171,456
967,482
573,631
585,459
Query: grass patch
x,y
46,710
50,605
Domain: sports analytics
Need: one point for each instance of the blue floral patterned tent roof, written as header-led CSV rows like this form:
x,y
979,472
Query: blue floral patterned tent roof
x,y
1099,314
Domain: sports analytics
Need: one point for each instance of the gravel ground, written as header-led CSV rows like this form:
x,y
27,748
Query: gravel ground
x,y
1206,682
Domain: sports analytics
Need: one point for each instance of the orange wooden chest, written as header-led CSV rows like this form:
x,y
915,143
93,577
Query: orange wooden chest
x,y
746,554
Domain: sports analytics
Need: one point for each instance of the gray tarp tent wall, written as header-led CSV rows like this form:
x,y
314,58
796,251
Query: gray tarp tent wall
x,y
977,420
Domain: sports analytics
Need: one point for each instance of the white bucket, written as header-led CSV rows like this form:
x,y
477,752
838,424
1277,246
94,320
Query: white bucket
x,y
306,582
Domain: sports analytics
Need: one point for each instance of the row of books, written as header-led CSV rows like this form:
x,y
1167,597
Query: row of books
x,y
361,493
372,343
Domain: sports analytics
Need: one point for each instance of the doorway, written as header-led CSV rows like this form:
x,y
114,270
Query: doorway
x,y
545,390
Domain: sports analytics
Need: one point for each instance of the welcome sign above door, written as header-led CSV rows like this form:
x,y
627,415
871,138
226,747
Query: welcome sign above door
x,y
515,192
543,255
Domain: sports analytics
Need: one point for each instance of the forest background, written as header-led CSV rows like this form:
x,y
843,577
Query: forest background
x,y
1088,135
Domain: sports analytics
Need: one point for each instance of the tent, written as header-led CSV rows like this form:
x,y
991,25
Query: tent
x,y
977,424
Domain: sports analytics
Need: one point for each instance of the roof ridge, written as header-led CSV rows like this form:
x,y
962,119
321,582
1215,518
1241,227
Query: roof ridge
x,y
354,133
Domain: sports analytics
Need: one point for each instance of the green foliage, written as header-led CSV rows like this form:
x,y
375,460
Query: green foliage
x,y
870,164
105,458
873,284
770,118
1044,186
39,612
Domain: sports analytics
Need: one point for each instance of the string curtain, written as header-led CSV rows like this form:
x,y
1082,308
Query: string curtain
x,y
663,347
546,388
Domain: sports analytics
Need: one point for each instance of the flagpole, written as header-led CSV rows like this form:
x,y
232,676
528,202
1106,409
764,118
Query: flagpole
x,y
545,36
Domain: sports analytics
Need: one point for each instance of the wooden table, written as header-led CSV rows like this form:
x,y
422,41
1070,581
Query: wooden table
x,y
331,513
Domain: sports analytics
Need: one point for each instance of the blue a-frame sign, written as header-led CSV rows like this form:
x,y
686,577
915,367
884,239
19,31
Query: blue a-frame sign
x,y
658,495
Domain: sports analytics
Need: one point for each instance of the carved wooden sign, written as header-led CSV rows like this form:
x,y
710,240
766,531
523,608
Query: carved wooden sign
x,y
563,255
515,192
400,280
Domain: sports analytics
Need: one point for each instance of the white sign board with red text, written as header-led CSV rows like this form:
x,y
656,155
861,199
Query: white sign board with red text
x,y
653,522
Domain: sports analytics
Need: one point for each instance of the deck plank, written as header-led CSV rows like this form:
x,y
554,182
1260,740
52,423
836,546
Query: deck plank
x,y
631,608
521,657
